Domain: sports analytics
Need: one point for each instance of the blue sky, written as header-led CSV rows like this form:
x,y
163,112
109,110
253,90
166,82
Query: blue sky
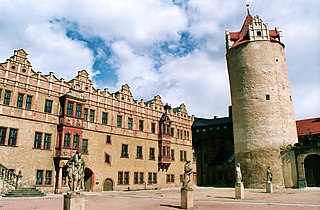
x,y
174,48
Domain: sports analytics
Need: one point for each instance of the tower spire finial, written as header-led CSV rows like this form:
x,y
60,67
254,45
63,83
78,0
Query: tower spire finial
x,y
248,5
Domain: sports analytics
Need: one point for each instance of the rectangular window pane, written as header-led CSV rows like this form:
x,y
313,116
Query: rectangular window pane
x,y
7,96
119,121
130,123
172,155
107,158
85,146
69,108
78,110
108,141
126,178
139,152
141,178
48,178
135,178
28,102
104,118
12,141
151,155
20,100
39,177
37,140
47,141
85,114
153,128
149,178
66,140
3,132
124,151
120,178
76,141
140,125
184,155
48,106
92,113
154,181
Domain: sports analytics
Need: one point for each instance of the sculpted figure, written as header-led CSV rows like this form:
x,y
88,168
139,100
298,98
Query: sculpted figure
x,y
269,174
238,173
75,169
187,174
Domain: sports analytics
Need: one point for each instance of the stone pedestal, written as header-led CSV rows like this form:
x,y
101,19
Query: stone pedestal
x,y
269,188
73,201
186,198
239,190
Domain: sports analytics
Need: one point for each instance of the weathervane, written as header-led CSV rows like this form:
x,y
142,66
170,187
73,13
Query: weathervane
x,y
248,5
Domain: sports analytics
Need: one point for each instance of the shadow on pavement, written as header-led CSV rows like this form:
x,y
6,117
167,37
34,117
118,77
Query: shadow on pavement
x,y
172,206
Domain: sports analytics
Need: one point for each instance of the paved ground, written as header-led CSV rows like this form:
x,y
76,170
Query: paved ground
x,y
204,198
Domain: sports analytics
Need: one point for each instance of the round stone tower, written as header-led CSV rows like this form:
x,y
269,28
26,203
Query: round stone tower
x,y
262,108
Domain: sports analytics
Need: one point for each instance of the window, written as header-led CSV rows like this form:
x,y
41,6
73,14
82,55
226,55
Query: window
x,y
172,132
37,140
154,181
104,118
69,108
76,141
123,178
107,158
20,100
48,178
67,140
130,123
185,155
268,97
153,128
85,114
119,121
139,152
151,154
188,135
126,178
84,146
3,132
135,178
124,151
184,134
12,141
47,141
141,178
48,106
28,102
140,125
92,113
7,96
39,177
78,110
258,33
149,178
120,178
170,178
172,155
108,141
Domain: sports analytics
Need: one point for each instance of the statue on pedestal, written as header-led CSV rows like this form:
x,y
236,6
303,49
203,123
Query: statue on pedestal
x,y
269,175
75,169
238,173
187,173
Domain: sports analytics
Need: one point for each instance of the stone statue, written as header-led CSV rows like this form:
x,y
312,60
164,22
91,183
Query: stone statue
x,y
238,173
75,169
269,175
187,173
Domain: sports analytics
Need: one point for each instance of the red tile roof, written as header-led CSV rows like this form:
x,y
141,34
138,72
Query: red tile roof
x,y
308,125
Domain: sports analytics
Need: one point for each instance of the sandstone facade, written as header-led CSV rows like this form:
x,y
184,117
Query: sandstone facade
x,y
126,144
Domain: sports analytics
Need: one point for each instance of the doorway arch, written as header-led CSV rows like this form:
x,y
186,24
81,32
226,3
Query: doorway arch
x,y
108,185
312,170
88,180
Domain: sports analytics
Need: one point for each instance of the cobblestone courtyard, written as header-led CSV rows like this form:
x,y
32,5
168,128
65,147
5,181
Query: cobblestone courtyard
x,y
204,198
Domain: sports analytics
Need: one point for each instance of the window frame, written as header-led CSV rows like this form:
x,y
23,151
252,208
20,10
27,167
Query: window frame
x,y
7,98
48,106
20,100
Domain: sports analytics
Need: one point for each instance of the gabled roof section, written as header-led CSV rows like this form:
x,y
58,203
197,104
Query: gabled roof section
x,y
307,126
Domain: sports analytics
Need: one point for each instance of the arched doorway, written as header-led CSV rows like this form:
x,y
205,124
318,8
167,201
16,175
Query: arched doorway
x,y
108,185
88,180
312,170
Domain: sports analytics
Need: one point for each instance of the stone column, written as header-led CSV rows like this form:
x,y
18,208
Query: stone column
x,y
186,198
73,201
60,178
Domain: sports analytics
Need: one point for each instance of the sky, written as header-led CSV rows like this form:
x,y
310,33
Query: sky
x,y
172,48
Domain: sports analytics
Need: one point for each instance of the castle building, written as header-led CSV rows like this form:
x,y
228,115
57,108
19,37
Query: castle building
x,y
126,144
262,109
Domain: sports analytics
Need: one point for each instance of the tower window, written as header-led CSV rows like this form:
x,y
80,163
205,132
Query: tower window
x,y
268,97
